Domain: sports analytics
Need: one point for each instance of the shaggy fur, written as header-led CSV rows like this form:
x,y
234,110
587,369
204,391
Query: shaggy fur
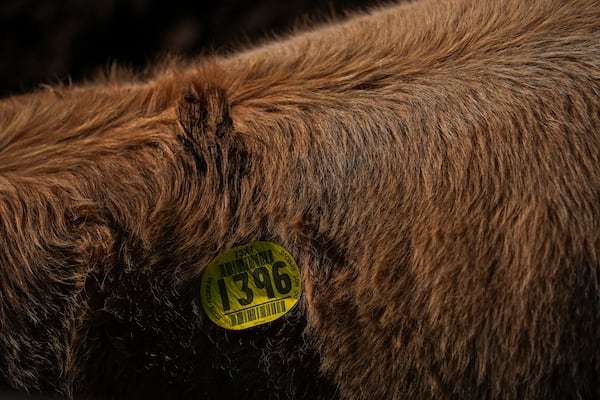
x,y
433,167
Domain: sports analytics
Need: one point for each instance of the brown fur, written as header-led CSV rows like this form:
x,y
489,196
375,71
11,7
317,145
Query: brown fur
x,y
433,167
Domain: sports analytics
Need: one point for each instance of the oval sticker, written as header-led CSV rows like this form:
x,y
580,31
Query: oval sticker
x,y
250,285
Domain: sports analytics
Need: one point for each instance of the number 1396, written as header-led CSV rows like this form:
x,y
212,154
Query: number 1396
x,y
262,280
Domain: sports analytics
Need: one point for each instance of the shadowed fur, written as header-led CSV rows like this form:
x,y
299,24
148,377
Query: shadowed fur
x,y
433,167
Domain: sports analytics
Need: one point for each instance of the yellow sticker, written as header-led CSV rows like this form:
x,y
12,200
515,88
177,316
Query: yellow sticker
x,y
250,285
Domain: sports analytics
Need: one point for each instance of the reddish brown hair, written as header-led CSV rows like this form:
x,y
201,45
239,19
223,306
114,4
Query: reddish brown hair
x,y
433,167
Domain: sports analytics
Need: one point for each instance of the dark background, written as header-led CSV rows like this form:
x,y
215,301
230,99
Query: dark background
x,y
50,41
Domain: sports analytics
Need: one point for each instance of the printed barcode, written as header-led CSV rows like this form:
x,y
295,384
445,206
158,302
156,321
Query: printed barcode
x,y
254,313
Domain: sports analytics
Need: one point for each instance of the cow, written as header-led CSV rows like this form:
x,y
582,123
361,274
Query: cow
x,y
432,167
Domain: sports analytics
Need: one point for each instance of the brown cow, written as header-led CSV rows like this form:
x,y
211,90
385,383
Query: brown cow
x,y
434,169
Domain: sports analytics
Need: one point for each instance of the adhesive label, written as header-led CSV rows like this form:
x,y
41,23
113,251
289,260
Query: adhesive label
x,y
250,285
